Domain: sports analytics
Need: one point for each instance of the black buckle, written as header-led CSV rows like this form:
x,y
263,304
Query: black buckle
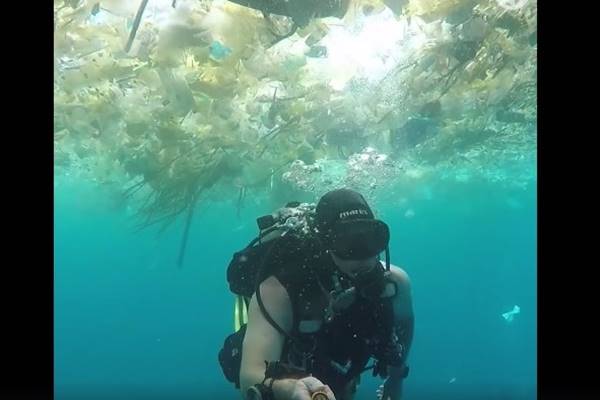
x,y
260,391
380,369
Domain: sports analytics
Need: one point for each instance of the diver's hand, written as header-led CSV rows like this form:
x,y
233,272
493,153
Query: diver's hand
x,y
305,387
390,390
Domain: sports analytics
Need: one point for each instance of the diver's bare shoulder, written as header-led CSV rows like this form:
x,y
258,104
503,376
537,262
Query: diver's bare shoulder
x,y
401,278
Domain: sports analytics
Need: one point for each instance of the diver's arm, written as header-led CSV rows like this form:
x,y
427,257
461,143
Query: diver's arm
x,y
404,327
262,342
404,318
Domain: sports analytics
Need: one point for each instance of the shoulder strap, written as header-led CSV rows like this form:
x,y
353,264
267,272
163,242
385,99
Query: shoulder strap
x,y
268,317
261,305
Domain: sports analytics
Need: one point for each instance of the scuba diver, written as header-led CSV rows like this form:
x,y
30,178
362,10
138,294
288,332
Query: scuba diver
x,y
321,305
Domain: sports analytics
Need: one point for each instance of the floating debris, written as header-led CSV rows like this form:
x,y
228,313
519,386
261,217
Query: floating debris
x,y
510,315
180,102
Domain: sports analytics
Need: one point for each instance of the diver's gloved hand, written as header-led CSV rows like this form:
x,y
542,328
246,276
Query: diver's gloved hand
x,y
304,389
391,389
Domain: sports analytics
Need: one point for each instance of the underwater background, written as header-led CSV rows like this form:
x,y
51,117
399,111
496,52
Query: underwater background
x,y
178,123
130,324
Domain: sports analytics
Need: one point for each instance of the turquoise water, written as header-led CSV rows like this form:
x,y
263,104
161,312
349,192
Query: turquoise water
x,y
130,324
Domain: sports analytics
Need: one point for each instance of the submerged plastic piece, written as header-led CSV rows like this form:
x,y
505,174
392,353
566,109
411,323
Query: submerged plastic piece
x,y
317,51
509,316
136,24
218,51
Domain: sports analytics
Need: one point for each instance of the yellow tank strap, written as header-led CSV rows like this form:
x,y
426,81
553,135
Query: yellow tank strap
x,y
240,313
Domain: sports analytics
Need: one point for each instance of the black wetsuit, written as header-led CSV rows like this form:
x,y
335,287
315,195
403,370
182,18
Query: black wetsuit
x,y
339,349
